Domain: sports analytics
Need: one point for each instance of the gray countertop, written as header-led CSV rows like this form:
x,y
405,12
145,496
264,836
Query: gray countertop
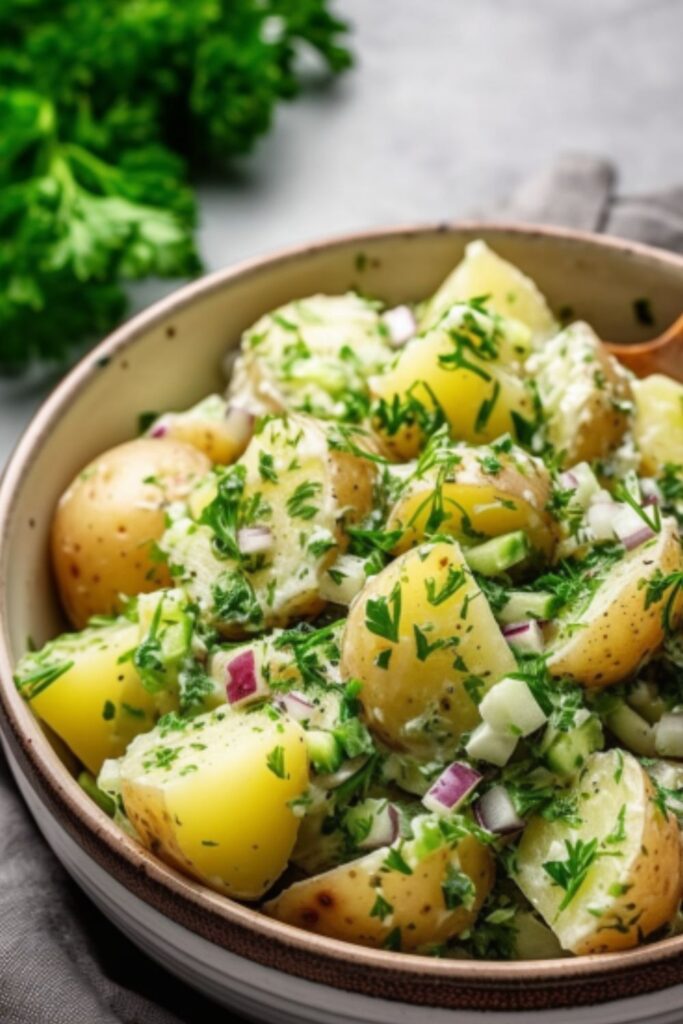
x,y
450,105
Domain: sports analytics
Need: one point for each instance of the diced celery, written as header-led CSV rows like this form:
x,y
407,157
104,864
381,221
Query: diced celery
x,y
566,752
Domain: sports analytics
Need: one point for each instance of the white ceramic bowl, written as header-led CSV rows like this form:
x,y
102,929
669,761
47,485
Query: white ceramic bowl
x,y
167,358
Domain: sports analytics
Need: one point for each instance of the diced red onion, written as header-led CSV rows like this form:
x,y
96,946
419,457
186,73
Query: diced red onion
x,y
252,540
630,529
496,812
384,829
242,679
401,324
451,787
295,704
240,423
527,636
600,518
650,491
568,481
159,429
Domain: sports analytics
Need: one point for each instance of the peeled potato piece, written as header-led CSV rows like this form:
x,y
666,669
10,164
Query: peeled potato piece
x,y
421,638
94,701
370,904
108,520
630,850
476,500
658,426
212,797
449,374
506,289
586,394
610,638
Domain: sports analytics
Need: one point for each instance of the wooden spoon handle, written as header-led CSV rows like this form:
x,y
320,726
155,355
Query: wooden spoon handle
x,y
663,354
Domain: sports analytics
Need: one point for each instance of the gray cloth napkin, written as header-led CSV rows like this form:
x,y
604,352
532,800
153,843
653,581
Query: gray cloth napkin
x,y
61,962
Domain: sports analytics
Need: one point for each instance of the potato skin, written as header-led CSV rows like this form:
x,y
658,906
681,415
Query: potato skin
x,y
615,791
430,717
108,518
484,498
339,902
618,632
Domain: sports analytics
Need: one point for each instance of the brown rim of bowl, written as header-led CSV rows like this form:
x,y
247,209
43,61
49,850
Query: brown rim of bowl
x,y
123,857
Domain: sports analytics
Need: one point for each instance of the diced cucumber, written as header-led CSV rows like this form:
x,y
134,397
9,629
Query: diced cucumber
x,y
485,744
324,750
522,605
497,555
635,733
510,707
566,752
534,940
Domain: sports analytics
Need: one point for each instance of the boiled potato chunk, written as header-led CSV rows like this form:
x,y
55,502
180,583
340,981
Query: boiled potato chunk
x,y
586,394
507,291
79,688
312,355
108,520
213,427
211,797
369,903
610,637
615,876
658,426
423,641
291,492
475,493
451,374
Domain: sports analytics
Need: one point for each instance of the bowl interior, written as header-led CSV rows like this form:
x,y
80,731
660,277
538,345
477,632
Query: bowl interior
x,y
171,356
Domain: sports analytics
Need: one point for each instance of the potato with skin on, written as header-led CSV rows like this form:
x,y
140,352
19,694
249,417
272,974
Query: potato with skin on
x,y
608,639
340,902
212,796
95,702
109,518
478,493
586,394
218,430
422,640
626,880
304,492
507,291
448,375
658,425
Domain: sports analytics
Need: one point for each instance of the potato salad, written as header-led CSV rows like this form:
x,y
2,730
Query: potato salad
x,y
387,638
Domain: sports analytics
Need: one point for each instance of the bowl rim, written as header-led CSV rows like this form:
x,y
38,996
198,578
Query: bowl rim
x,y
60,790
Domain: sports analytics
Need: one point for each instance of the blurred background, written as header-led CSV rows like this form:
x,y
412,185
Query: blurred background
x,y
448,106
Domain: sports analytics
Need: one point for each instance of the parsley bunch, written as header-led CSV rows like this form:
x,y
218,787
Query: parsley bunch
x,y
104,105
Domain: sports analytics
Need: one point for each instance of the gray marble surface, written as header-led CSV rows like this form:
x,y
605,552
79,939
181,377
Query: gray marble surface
x,y
451,104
